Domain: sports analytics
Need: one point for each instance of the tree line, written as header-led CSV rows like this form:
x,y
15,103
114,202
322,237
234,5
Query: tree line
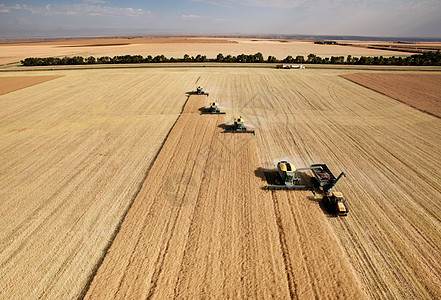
x,y
424,59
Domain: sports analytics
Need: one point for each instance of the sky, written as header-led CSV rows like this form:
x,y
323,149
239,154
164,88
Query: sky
x,y
382,18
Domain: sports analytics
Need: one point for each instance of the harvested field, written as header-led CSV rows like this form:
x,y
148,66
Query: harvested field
x,y
409,47
389,150
202,226
73,153
125,41
10,84
419,90
73,156
12,53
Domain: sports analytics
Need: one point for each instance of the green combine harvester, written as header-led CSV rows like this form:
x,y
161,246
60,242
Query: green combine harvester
x,y
213,109
200,91
238,127
288,178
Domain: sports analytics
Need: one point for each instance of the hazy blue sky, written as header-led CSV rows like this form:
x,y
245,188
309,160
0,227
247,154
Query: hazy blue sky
x,y
400,18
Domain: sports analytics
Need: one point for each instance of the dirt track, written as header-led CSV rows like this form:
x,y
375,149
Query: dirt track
x,y
202,226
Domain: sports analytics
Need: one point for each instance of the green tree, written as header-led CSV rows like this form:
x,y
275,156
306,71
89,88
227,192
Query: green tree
x,y
289,59
91,60
258,57
311,58
300,59
272,59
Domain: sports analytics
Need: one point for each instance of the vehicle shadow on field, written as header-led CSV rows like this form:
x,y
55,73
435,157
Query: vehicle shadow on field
x,y
260,173
189,93
326,210
268,176
225,126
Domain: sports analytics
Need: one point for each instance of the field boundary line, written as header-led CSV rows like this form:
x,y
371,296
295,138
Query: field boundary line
x,y
132,200
396,99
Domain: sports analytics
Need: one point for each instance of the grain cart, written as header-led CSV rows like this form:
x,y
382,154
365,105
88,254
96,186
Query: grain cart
x,y
334,201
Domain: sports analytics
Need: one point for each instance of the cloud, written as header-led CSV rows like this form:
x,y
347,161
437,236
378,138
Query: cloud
x,y
423,7
255,3
289,3
4,9
222,20
95,1
190,17
77,9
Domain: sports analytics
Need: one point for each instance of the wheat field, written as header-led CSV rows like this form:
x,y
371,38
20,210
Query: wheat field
x,y
389,150
202,226
76,152
73,152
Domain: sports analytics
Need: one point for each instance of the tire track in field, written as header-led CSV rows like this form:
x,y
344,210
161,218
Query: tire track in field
x,y
183,133
285,252
226,237
161,259
118,226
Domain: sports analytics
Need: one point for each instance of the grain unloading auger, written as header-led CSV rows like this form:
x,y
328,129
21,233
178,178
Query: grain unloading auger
x,y
239,127
327,181
289,179
213,109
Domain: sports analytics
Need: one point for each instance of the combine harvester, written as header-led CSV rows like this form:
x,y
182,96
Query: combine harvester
x,y
213,109
288,178
334,201
200,91
238,127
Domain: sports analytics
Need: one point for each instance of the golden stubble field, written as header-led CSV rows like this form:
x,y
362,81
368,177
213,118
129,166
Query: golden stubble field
x,y
77,147
389,150
73,152
202,226
177,47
